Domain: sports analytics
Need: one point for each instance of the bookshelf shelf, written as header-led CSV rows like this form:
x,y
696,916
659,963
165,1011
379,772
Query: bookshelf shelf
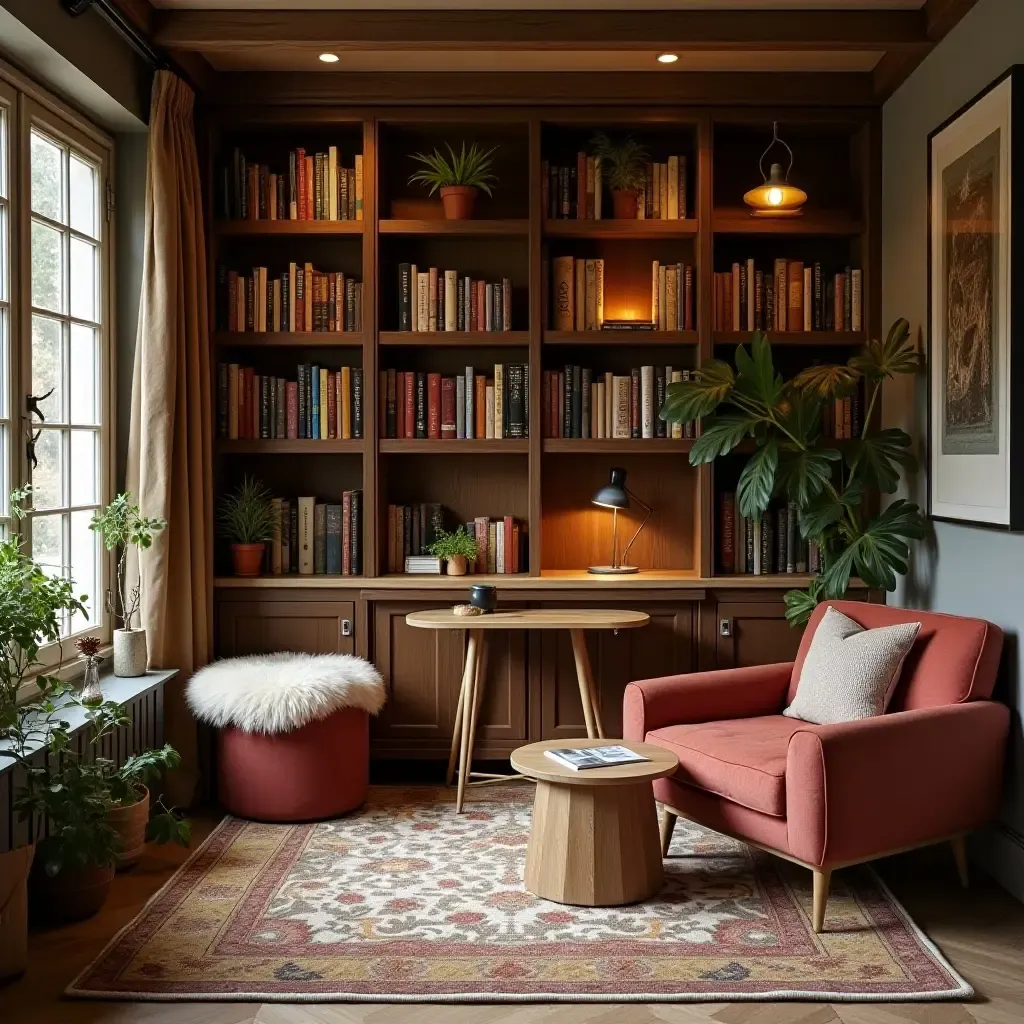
x,y
732,221
426,446
276,228
294,446
613,446
805,339
454,227
621,228
454,339
289,339
622,338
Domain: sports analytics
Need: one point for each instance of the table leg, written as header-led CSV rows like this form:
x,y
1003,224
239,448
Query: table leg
x,y
478,692
588,695
457,732
468,699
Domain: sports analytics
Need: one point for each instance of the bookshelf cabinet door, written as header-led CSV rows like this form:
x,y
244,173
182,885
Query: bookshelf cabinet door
x,y
267,626
664,647
502,720
754,633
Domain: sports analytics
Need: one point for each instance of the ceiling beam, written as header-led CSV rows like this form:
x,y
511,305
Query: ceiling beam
x,y
549,30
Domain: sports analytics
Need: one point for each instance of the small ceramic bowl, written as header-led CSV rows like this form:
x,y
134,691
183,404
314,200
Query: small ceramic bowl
x,y
483,596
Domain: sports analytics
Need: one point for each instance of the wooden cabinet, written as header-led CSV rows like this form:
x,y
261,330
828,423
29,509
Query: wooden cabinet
x,y
754,632
282,623
502,721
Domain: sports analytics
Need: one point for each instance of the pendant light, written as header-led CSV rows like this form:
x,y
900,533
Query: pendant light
x,y
776,197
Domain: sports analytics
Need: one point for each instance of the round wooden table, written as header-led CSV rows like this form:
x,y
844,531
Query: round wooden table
x,y
594,840
576,620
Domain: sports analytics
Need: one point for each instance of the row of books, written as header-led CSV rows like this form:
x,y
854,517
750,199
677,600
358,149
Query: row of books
x,y
314,537
445,300
320,404
314,187
792,296
773,545
581,403
301,298
429,405
502,545
575,192
841,418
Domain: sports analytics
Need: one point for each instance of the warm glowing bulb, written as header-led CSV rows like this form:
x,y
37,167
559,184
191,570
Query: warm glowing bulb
x,y
329,58
775,196
668,58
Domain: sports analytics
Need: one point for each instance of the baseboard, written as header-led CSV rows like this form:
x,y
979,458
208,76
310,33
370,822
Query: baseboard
x,y
999,850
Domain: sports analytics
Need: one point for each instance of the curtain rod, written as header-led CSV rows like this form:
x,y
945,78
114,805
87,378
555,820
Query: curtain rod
x,y
121,25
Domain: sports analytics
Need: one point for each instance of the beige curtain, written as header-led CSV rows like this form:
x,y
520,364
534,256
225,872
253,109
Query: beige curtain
x,y
169,452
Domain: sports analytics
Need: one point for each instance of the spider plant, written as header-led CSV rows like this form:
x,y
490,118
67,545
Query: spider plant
x,y
470,168
246,515
623,163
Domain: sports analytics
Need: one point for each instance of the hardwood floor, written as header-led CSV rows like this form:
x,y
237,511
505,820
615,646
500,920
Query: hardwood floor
x,y
981,930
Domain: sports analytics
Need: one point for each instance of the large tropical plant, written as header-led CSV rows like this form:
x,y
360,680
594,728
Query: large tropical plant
x,y
829,480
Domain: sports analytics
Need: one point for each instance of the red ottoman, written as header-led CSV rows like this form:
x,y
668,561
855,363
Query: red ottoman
x,y
294,739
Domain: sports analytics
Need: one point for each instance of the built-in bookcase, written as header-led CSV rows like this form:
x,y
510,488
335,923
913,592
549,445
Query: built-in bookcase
x,y
544,482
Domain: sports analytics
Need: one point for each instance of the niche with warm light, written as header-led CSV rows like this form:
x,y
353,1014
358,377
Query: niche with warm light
x,y
776,196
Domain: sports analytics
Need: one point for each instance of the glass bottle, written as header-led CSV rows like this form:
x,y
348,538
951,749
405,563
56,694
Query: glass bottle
x,y
91,690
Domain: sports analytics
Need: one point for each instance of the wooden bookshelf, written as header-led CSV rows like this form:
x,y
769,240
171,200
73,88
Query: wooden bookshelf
x,y
454,339
299,446
289,339
617,446
447,446
608,228
809,339
825,222
626,339
454,227
277,228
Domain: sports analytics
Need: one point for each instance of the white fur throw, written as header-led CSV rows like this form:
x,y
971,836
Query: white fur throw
x,y
275,693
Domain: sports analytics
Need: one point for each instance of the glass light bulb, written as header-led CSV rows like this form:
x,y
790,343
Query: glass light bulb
x,y
775,196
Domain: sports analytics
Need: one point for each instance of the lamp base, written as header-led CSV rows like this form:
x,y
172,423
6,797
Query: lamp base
x,y
612,570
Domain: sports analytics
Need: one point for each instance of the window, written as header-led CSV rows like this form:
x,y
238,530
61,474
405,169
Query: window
x,y
55,370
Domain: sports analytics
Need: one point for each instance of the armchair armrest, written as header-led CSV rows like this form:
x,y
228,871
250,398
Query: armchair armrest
x,y
862,789
703,697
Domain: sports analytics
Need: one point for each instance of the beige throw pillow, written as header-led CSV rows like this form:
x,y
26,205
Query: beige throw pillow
x,y
850,672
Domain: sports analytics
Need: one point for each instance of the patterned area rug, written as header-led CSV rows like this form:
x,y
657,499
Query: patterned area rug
x,y
406,901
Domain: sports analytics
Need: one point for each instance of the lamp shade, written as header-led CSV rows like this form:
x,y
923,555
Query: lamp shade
x,y
776,197
613,494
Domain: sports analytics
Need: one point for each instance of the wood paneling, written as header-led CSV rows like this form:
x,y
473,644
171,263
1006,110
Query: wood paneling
x,y
265,626
503,705
758,633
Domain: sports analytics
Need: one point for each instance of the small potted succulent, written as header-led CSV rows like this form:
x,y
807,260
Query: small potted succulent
x,y
623,168
457,549
459,177
247,518
122,526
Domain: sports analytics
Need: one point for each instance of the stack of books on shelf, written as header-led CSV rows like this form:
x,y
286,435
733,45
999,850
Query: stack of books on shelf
x,y
574,192
301,298
428,405
313,187
792,296
320,404
445,300
577,288
316,538
773,545
580,403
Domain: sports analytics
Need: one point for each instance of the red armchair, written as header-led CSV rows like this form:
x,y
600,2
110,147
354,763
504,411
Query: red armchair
x,y
826,796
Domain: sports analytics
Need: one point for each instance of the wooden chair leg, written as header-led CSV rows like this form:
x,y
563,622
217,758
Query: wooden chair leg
x,y
668,824
821,883
959,844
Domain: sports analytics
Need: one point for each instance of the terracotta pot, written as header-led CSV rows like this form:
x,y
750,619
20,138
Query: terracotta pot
x,y
458,201
456,565
248,558
624,203
129,822
131,657
14,870
72,895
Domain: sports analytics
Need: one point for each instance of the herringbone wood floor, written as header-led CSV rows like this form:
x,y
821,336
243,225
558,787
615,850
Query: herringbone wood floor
x,y
980,930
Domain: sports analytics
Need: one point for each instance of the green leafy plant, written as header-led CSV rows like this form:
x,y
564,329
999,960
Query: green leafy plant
x,y
623,163
450,545
122,525
827,479
469,167
246,514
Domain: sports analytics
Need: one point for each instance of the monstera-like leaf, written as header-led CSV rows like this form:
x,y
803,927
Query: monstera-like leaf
x,y
755,375
799,416
827,509
718,436
689,400
876,459
800,603
831,380
803,474
896,354
757,481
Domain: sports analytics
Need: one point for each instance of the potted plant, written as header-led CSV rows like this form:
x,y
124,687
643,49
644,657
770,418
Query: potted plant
x,y
457,549
248,520
122,525
623,167
827,479
459,177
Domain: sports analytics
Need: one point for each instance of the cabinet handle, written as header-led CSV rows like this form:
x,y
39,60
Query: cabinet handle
x,y
346,627
725,627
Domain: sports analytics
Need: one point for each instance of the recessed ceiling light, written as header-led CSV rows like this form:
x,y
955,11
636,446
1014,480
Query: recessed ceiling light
x,y
332,58
668,58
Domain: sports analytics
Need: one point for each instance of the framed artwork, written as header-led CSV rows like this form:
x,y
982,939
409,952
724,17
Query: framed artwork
x,y
976,310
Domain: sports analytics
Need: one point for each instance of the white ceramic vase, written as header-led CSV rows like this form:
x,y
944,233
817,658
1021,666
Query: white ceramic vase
x,y
130,655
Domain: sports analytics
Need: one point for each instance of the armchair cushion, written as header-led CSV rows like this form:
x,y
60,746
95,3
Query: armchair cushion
x,y
741,759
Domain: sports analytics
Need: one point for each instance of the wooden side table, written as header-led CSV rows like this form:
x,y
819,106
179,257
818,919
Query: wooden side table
x,y
594,839
574,620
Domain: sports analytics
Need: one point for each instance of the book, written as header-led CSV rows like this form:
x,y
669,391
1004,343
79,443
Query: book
x,y
306,507
583,758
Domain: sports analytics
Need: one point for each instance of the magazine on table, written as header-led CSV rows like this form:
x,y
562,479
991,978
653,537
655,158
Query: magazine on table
x,y
579,758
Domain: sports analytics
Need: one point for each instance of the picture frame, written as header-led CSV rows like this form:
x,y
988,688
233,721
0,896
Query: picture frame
x,y
976,310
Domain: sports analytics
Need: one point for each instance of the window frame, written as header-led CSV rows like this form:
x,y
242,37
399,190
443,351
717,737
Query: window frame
x,y
9,107
32,107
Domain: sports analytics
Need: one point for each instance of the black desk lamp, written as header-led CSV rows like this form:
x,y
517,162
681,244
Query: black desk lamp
x,y
615,495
